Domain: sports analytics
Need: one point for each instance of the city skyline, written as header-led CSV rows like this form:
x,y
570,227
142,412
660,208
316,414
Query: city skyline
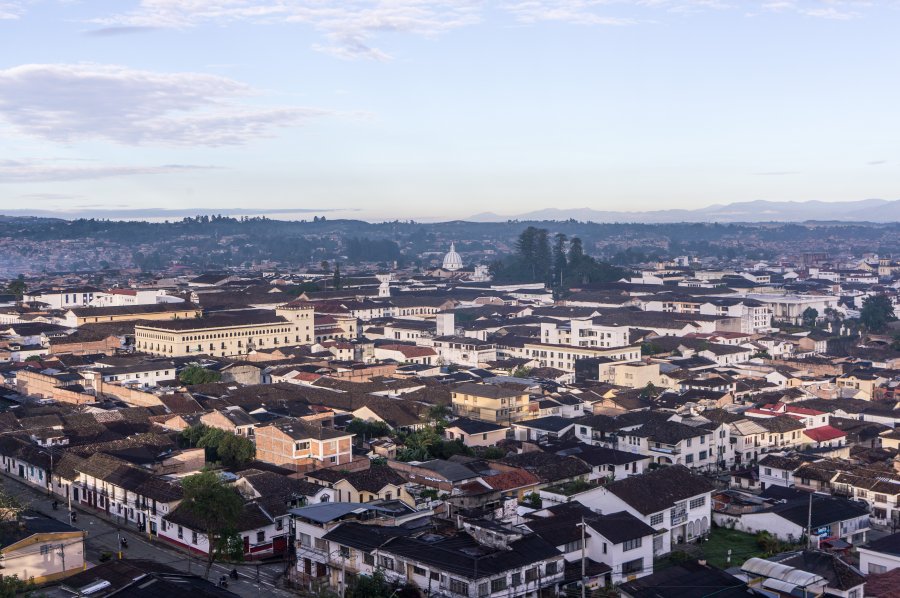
x,y
436,110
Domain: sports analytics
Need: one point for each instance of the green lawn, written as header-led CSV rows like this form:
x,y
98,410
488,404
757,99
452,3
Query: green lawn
x,y
715,550
742,545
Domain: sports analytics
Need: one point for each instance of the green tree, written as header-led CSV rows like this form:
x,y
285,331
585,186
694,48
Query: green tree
x,y
521,372
325,266
11,586
439,414
533,500
576,251
877,312
235,451
17,287
650,391
336,277
210,440
365,430
195,374
217,508
809,316
559,258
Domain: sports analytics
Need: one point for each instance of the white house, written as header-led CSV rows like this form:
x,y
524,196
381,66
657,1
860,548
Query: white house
x,y
672,500
881,555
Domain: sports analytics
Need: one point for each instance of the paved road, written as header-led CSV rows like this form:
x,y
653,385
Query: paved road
x,y
103,536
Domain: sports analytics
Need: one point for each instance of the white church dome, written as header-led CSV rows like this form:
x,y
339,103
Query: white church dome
x,y
452,261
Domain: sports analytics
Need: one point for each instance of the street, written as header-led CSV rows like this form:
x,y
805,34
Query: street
x,y
103,536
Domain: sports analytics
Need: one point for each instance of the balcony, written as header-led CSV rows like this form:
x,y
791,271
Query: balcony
x,y
665,450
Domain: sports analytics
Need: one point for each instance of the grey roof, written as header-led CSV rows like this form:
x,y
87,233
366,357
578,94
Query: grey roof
x,y
551,423
330,511
454,472
657,490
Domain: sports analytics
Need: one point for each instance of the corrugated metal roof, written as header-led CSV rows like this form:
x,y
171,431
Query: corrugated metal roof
x,y
784,573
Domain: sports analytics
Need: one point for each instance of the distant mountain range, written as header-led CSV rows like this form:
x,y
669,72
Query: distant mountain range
x,y
866,210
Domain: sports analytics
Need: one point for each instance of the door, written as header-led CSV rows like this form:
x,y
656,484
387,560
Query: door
x,y
21,471
279,545
246,544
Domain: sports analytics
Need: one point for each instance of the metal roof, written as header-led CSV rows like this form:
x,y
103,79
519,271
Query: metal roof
x,y
784,573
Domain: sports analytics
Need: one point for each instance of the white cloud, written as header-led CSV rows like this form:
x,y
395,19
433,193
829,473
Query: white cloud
x,y
347,25
351,29
37,171
75,102
10,10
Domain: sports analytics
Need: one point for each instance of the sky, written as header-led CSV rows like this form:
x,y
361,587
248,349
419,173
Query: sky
x,y
440,109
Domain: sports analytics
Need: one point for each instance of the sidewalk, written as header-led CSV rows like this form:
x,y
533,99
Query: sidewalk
x,y
103,536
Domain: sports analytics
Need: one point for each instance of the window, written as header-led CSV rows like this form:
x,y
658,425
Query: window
x,y
768,471
702,455
369,559
344,552
193,537
698,502
385,562
260,537
873,568
880,498
631,544
635,566
279,524
419,570
45,549
531,574
573,546
180,533
459,587
498,585
656,519
516,579
305,540
321,544
483,589
689,458
550,568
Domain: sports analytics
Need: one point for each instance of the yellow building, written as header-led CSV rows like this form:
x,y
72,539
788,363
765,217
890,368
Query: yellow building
x,y
79,316
38,548
490,402
635,374
302,315
220,335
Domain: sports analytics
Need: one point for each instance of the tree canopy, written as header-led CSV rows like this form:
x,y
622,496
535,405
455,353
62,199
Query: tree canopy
x,y
195,374
563,266
217,508
221,446
810,315
17,287
877,312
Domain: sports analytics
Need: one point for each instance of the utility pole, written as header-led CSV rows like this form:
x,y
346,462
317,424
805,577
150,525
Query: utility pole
x,y
62,555
809,523
583,566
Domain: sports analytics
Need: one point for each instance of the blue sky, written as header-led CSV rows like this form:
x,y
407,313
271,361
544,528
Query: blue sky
x,y
443,109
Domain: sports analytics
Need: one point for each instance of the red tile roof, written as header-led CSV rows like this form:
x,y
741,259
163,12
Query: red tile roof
x,y
824,433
